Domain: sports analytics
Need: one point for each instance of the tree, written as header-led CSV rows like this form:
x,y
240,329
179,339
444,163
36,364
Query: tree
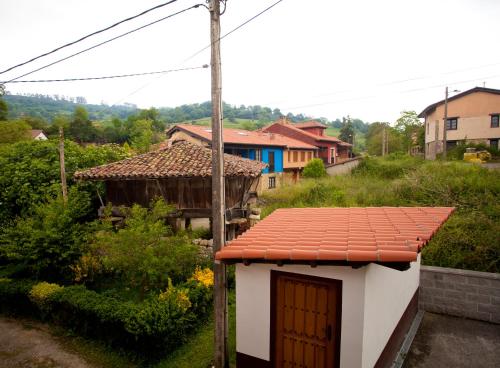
x,y
141,135
4,109
410,127
14,131
80,127
374,138
347,130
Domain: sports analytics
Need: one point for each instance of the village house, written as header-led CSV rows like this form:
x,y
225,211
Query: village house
x,y
181,175
38,135
328,287
330,149
473,117
285,157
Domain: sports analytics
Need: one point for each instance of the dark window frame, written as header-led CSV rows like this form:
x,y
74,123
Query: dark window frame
x,y
271,162
272,182
496,142
452,124
497,123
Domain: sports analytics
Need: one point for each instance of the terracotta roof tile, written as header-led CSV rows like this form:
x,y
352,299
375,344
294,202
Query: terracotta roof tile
x,y
182,159
244,137
373,234
310,124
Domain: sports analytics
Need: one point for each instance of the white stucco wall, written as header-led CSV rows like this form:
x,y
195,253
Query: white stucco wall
x,y
387,295
253,303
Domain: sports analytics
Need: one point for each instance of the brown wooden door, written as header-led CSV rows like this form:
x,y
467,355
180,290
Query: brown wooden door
x,y
306,319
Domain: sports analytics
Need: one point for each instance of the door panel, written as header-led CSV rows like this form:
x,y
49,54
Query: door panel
x,y
305,321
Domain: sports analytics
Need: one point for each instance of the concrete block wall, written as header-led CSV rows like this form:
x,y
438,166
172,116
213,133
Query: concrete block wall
x,y
460,293
343,167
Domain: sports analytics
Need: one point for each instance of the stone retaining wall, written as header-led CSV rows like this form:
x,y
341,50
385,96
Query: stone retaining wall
x,y
461,293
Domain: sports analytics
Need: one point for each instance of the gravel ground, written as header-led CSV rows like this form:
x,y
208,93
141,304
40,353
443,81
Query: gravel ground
x,y
28,344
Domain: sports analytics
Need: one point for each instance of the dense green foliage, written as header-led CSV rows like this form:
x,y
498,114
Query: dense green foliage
x,y
457,153
144,253
407,132
314,169
153,327
45,244
31,172
468,240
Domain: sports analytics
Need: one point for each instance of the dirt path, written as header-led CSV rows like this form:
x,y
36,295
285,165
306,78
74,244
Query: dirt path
x,y
28,344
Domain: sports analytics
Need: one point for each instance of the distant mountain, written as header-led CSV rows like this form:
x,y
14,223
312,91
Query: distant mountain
x,y
46,107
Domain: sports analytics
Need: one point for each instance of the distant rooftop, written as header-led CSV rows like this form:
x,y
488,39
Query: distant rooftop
x,y
310,124
245,137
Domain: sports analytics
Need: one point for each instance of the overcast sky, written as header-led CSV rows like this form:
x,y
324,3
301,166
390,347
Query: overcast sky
x,y
324,58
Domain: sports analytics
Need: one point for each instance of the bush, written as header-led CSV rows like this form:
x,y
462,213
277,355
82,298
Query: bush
x,y
392,167
157,324
47,243
314,169
145,253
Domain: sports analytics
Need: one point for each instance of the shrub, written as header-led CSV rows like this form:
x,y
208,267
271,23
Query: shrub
x,y
48,242
157,324
392,167
40,293
314,169
145,253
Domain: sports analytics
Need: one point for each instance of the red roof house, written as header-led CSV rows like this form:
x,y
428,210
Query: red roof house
x,y
328,287
331,149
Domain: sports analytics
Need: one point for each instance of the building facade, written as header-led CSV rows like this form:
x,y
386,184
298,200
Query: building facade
x,y
330,149
285,157
473,117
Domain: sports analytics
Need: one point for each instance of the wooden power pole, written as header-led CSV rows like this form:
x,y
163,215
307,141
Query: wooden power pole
x,y
221,356
62,165
445,123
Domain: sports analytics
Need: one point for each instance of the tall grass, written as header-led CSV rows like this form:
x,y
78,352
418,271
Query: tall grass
x,y
470,238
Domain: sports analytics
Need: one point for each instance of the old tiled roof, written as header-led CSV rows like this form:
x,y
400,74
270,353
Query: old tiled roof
x,y
182,159
310,124
376,234
322,138
35,132
244,137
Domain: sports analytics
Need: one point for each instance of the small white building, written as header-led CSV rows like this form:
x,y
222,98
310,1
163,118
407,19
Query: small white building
x,y
328,287
38,135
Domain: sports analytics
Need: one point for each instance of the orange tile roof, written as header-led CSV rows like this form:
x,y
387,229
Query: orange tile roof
x,y
245,137
310,124
324,138
182,159
372,234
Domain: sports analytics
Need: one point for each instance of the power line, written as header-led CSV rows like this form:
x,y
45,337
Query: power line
x,y
103,43
208,46
234,29
109,76
89,35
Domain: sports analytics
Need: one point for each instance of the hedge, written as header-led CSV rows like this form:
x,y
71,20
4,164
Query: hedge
x,y
155,325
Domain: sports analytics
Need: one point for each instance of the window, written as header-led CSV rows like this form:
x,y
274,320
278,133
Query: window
x,y
309,156
494,143
271,161
302,156
451,124
258,155
272,182
451,144
295,156
494,120
289,156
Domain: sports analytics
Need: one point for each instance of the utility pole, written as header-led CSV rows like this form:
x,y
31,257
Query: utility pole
x,y
62,165
383,141
445,122
221,356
